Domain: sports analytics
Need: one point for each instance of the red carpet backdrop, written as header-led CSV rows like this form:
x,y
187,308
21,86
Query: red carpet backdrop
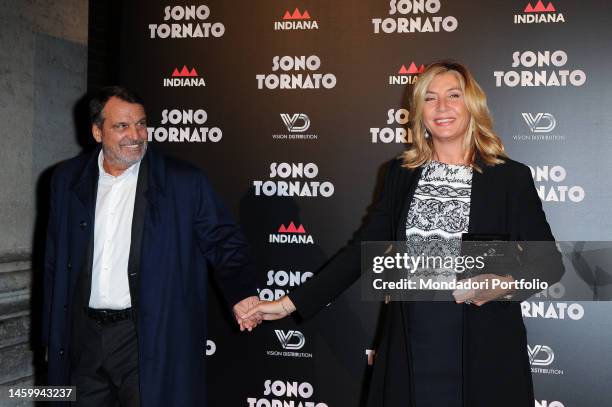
x,y
293,107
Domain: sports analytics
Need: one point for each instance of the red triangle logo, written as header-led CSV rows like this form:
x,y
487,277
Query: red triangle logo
x,y
184,71
175,72
421,68
193,72
282,229
550,7
291,228
296,14
413,68
539,7
529,8
306,15
287,16
403,70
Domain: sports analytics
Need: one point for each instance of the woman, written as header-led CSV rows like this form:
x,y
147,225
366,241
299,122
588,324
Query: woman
x,y
454,178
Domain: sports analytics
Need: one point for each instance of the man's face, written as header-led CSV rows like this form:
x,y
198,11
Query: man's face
x,y
123,134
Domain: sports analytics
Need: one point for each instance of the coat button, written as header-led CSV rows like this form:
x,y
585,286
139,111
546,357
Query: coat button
x,y
65,308
69,265
83,224
61,352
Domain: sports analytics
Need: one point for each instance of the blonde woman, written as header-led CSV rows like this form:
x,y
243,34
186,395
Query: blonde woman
x,y
455,178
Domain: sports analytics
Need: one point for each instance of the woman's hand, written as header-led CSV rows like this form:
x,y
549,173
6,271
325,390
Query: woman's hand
x,y
481,297
272,310
241,308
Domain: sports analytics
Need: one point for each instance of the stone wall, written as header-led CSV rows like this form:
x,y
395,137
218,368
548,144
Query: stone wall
x,y
43,79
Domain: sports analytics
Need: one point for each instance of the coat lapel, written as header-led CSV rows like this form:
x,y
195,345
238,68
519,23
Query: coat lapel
x,y
156,183
408,180
140,209
86,185
81,220
477,199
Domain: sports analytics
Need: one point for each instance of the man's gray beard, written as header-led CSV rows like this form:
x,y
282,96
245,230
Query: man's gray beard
x,y
123,160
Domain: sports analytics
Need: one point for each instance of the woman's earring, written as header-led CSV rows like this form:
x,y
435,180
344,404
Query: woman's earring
x,y
426,134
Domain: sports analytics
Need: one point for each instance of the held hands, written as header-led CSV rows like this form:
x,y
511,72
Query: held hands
x,y
241,309
481,297
272,310
250,312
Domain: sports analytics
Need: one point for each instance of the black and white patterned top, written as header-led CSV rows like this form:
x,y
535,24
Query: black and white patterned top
x,y
439,213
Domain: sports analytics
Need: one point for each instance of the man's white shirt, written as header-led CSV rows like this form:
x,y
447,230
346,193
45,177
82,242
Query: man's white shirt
x,y
110,287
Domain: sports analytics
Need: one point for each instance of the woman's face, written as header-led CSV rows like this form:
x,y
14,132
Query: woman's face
x,y
444,113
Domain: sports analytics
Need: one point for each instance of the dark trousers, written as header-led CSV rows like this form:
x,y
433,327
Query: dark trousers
x,y
104,363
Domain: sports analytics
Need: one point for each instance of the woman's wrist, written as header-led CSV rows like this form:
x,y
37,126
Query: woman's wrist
x,y
287,305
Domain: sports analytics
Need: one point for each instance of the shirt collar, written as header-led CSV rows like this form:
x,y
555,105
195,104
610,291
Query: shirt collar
x,y
132,170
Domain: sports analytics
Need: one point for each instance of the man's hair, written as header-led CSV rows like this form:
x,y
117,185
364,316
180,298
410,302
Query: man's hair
x,y
98,101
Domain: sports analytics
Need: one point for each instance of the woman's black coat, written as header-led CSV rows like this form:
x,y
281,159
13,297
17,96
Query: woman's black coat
x,y
496,365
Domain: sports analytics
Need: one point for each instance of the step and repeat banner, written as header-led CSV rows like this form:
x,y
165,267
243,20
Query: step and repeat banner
x,y
293,108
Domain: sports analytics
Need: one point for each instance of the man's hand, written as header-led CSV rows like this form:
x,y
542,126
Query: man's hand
x,y
481,297
272,310
240,313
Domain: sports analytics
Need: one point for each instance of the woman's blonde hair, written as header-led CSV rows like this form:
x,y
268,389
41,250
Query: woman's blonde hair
x,y
480,140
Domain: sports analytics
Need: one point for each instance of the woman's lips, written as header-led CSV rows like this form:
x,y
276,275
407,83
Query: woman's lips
x,y
444,121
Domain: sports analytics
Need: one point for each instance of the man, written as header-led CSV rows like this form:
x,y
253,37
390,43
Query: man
x,y
131,235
